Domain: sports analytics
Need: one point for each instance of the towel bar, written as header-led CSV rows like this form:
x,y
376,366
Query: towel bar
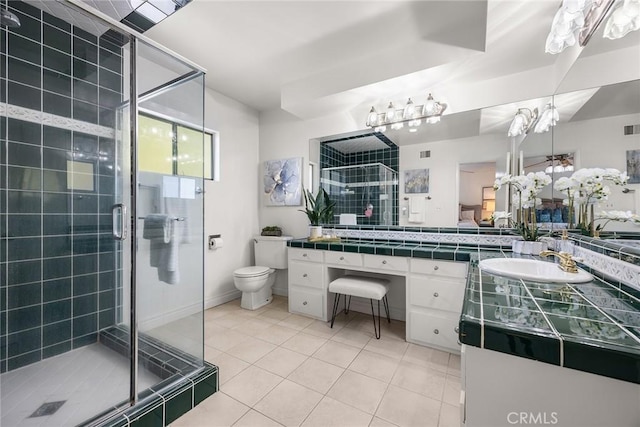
x,y
175,218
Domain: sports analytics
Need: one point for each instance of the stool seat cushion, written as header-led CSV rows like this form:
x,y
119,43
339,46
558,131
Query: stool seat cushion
x,y
360,286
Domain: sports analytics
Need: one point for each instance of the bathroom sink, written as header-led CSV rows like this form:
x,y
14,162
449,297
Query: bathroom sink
x,y
533,270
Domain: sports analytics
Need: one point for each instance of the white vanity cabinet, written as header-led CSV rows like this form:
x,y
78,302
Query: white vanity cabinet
x,y
435,291
307,290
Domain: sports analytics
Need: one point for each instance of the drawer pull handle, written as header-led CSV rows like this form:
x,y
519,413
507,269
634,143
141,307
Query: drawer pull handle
x,y
435,331
304,255
435,294
436,267
457,329
304,303
384,261
304,275
341,258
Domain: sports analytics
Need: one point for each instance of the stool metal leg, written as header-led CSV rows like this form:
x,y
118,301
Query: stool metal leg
x,y
376,330
347,306
336,301
386,308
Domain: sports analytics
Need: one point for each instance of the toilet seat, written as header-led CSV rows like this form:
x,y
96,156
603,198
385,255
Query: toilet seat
x,y
253,271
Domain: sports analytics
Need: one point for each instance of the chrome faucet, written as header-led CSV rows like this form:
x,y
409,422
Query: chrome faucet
x,y
566,260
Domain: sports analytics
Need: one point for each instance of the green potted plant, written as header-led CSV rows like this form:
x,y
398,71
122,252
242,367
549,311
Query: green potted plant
x,y
271,230
319,210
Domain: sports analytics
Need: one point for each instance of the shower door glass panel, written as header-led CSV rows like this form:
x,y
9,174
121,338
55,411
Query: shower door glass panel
x,y
170,235
63,139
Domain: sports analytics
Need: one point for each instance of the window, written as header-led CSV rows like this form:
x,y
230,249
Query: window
x,y
177,149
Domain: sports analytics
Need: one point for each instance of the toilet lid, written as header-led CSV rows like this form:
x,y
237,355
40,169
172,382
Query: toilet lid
x,y
251,271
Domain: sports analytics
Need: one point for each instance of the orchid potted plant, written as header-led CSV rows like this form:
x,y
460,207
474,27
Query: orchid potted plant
x,y
584,189
608,216
526,189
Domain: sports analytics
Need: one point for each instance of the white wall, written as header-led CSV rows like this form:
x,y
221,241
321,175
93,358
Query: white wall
x,y
471,184
231,205
601,143
283,135
442,209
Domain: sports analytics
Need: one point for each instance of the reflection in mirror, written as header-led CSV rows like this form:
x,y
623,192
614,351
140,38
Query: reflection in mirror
x,y
359,172
597,124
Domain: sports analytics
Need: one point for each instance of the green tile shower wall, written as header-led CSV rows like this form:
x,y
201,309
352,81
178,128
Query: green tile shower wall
x,y
57,258
356,202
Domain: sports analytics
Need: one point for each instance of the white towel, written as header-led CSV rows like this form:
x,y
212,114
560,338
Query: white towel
x,y
348,219
416,209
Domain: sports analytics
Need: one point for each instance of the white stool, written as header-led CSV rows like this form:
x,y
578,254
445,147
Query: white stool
x,y
364,287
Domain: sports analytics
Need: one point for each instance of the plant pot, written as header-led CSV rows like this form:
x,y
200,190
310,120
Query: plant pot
x,y
528,248
315,231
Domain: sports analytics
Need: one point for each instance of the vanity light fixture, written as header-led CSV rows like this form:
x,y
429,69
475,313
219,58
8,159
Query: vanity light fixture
x,y
567,22
411,114
523,121
548,118
623,20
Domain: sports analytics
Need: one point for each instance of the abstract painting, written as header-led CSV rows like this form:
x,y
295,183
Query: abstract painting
x,y
282,182
416,181
633,166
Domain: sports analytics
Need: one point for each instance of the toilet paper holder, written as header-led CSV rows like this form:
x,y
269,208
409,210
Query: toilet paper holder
x,y
212,240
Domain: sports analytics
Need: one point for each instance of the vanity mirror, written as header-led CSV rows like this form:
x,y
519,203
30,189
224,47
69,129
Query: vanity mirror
x,y
599,108
434,177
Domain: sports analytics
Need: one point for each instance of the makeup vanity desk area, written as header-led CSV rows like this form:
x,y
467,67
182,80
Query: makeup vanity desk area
x,y
434,277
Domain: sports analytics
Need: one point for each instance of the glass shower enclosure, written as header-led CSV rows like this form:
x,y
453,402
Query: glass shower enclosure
x,y
366,193
101,256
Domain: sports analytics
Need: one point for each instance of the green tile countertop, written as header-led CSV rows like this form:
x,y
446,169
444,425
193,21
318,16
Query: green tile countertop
x,y
451,252
593,326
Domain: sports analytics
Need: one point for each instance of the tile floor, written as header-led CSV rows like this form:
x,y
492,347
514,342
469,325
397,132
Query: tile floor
x,y
89,379
281,369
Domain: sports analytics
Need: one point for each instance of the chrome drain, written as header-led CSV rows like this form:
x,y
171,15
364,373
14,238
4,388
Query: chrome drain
x,y
46,409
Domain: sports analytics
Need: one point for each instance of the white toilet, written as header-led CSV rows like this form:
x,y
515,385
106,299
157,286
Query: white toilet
x,y
256,282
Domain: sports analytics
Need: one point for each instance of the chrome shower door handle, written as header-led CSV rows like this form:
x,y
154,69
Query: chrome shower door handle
x,y
122,233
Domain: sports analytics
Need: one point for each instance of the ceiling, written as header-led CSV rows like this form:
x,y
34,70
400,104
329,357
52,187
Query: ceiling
x,y
313,58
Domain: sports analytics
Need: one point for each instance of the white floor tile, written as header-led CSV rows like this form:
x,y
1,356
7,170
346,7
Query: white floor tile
x,y
217,410
449,416
352,337
251,385
255,419
388,346
304,343
322,329
288,403
426,381
251,350
281,361
316,375
359,391
229,366
452,391
337,353
332,413
296,322
406,408
379,422
276,334
375,365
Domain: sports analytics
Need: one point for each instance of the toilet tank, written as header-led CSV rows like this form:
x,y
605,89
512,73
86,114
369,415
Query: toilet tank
x,y
271,251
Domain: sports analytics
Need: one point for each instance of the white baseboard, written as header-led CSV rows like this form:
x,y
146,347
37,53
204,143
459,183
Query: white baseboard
x,y
221,299
283,292
168,317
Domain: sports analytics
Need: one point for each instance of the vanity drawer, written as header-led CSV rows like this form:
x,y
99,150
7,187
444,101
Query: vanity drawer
x,y
382,262
344,258
312,255
439,268
306,274
436,292
439,330
306,302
